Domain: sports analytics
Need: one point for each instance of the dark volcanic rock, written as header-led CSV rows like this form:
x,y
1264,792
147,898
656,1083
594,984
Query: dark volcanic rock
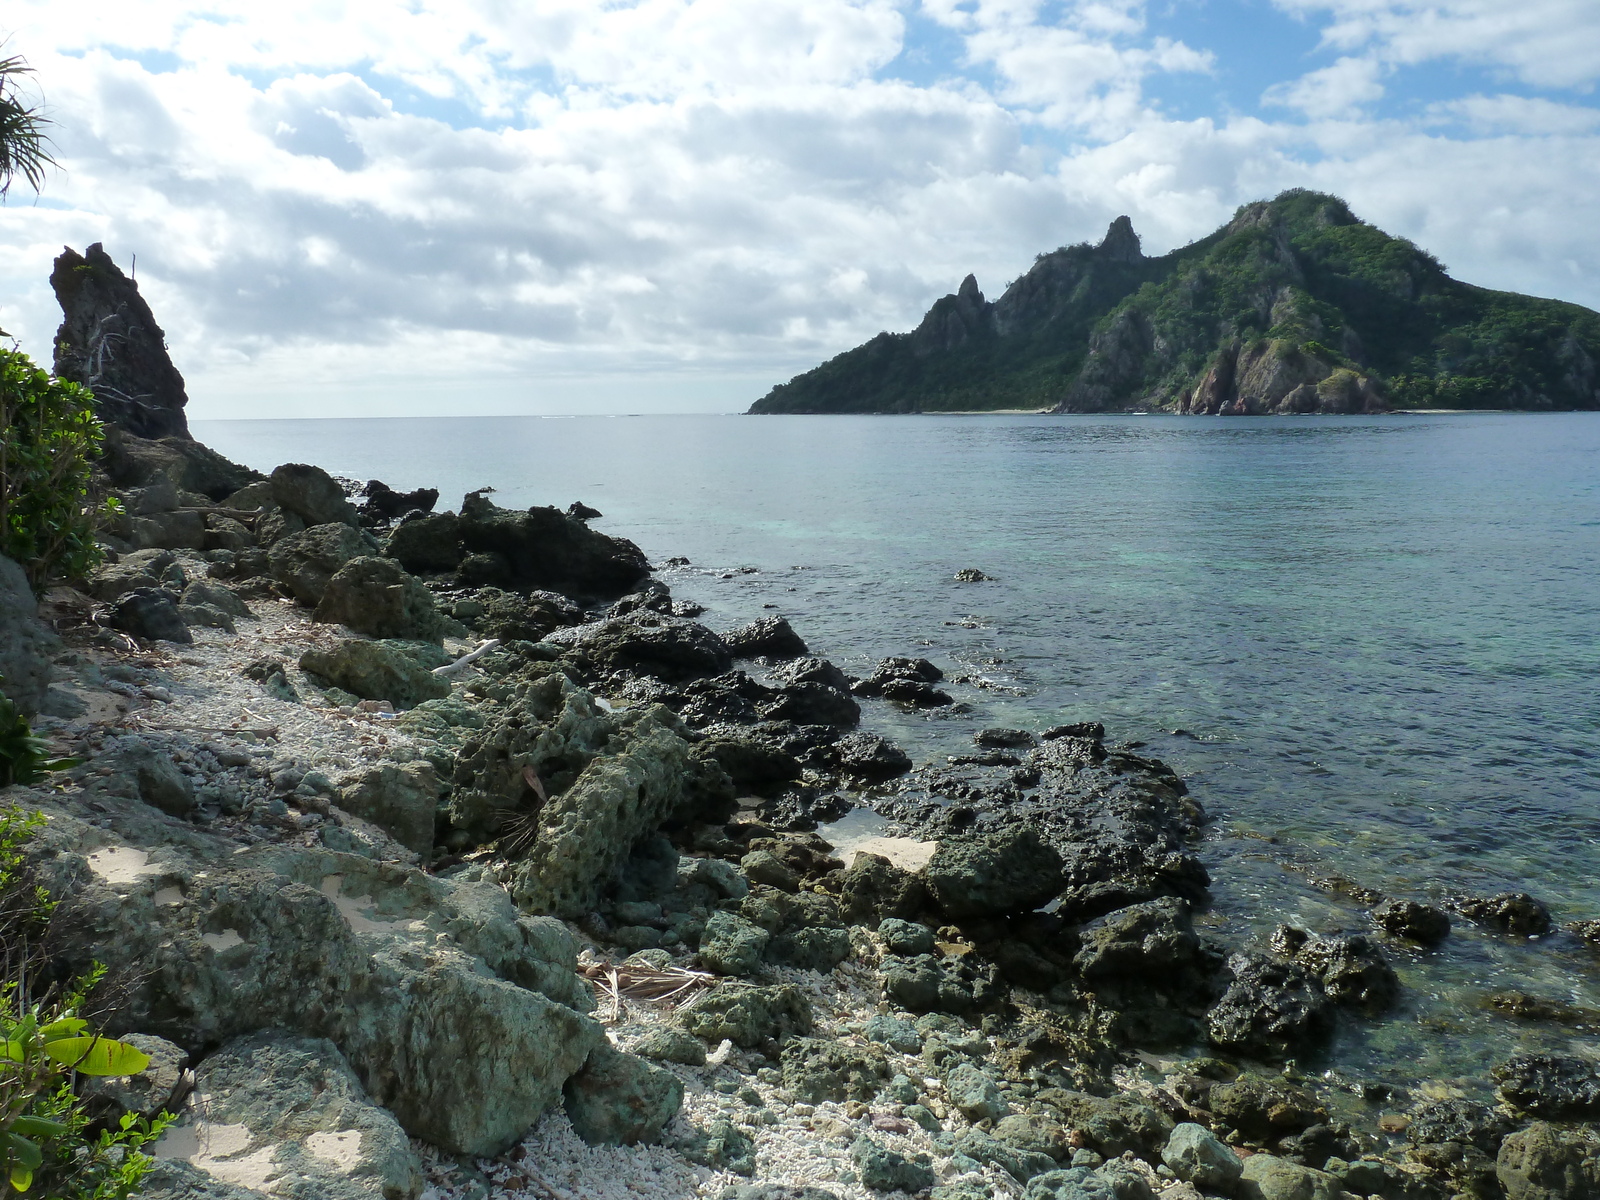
x,y
109,341
812,670
1465,1121
813,704
872,889
1560,1087
383,504
993,872
1511,912
1147,963
868,758
898,671
649,643
545,548
1265,1109
428,544
311,494
1272,1008
1353,971
766,637
1408,919
513,617
150,613
579,511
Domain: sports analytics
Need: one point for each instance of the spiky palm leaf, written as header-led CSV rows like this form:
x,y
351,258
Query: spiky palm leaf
x,y
24,144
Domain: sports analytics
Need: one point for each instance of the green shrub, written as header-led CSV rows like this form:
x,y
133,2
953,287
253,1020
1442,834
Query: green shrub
x,y
48,1142
49,438
24,758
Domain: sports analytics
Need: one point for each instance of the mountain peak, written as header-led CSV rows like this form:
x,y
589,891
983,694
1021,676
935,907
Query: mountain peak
x,y
1121,243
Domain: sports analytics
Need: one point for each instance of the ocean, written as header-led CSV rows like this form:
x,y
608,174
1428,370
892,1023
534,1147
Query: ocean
x,y
1370,645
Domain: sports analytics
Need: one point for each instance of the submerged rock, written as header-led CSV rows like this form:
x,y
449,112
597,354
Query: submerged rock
x,y
1511,912
1409,919
1353,971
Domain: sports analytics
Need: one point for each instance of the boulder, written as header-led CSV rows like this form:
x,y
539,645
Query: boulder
x,y
1267,1177
110,342
907,680
544,548
774,1191
1455,1120
1510,912
1409,919
993,872
206,616
140,568
885,1170
150,613
524,618
818,1070
157,779
813,704
666,1044
766,637
386,670
731,945
1545,1163
811,670
304,562
1035,1133
748,1016
215,595
1353,971
382,504
1553,1086
311,494
26,644
1265,1109
722,1146
974,1094
286,1116
1198,1156
402,799
1272,1008
456,1015
873,889
1021,1165
137,462
649,643
168,530
905,937
427,544
375,596
584,834
619,1099
868,758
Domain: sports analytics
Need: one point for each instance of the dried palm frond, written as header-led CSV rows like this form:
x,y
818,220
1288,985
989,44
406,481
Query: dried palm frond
x,y
658,985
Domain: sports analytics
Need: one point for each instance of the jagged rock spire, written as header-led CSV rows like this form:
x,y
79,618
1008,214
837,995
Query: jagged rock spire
x,y
1121,243
110,342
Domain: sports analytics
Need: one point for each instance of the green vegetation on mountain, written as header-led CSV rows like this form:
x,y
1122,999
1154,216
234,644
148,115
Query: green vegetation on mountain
x,y
1294,306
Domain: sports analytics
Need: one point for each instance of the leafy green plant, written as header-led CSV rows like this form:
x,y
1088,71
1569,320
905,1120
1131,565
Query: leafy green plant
x,y
49,438
48,1139
24,757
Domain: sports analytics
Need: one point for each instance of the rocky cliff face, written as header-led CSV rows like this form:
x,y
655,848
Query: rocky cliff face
x,y
110,342
1293,306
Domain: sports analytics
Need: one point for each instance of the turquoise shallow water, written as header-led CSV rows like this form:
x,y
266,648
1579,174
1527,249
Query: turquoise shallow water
x,y
1378,636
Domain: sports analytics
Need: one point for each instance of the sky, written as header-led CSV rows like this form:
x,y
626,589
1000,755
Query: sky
x,y
413,207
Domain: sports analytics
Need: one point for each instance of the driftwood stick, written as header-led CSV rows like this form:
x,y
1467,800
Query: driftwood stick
x,y
450,670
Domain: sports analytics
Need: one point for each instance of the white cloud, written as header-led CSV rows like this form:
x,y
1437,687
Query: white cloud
x,y
684,198
1341,90
1546,43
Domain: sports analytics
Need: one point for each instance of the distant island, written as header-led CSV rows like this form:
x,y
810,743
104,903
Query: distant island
x,y
1294,306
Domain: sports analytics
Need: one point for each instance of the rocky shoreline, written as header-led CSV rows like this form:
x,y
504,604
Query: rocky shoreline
x,y
447,854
